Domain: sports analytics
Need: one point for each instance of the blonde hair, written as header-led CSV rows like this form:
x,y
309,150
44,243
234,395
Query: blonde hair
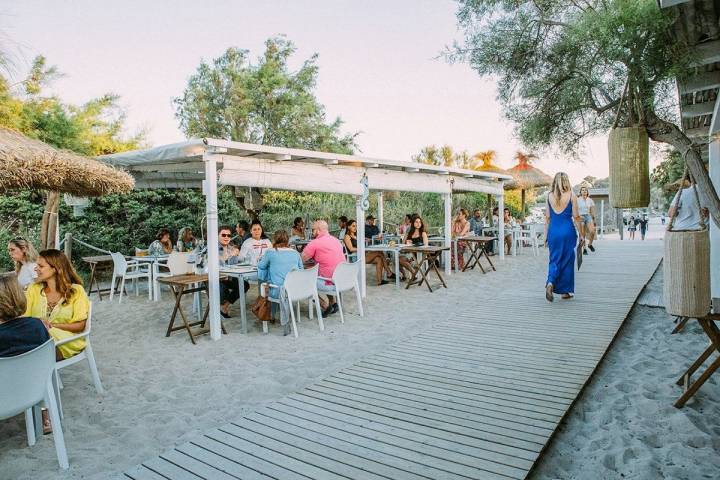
x,y
29,252
65,274
560,184
12,297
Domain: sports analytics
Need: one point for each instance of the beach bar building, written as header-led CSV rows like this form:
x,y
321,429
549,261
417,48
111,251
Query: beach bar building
x,y
208,163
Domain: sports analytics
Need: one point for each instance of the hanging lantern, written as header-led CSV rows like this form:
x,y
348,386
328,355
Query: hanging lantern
x,y
629,167
686,273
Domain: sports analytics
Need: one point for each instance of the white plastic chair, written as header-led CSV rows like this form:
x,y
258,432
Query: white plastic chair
x,y
27,380
86,354
177,264
302,285
128,270
528,236
345,278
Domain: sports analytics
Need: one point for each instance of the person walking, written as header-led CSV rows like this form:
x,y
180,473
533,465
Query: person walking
x,y
561,227
632,227
586,210
643,224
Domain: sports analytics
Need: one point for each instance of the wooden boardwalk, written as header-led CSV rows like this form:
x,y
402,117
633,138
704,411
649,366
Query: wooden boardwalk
x,y
476,397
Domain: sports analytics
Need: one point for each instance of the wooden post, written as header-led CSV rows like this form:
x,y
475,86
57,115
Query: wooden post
x,y
381,211
501,226
360,222
522,205
619,219
447,230
213,261
48,227
68,245
602,218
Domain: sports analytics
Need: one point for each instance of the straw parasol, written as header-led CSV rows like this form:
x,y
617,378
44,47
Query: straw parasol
x,y
27,163
526,176
32,164
483,161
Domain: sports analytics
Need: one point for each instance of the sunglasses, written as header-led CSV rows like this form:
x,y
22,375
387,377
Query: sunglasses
x,y
224,234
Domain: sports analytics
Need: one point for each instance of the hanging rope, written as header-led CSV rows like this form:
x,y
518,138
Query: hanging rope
x,y
622,97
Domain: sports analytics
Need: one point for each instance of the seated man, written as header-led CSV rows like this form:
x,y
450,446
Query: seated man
x,y
371,230
342,224
476,222
327,252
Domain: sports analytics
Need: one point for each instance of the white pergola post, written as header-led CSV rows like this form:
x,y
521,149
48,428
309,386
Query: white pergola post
x,y
360,220
447,230
714,160
210,191
602,218
501,226
381,211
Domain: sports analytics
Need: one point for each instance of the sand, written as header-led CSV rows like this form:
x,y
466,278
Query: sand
x,y
164,391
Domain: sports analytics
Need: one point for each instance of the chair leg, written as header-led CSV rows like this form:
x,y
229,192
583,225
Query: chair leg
x,y
58,436
292,318
310,309
112,287
137,286
57,385
359,300
319,313
30,427
150,288
122,288
93,369
339,301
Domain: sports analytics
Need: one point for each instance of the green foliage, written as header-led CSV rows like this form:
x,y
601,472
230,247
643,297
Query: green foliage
x,y
444,156
561,64
670,169
262,103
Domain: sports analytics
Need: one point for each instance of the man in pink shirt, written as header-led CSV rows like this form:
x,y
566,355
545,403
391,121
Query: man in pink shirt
x,y
327,252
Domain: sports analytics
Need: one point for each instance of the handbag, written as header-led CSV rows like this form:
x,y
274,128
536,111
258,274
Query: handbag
x,y
262,309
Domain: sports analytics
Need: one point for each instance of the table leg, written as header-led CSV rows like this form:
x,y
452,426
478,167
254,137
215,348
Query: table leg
x,y
397,268
681,321
93,279
484,252
437,272
243,309
178,296
697,384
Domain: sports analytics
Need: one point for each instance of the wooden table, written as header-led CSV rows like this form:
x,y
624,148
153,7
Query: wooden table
x,y
182,285
476,245
104,262
428,257
713,332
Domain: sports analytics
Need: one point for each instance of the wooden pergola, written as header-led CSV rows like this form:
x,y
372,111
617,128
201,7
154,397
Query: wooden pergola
x,y
207,163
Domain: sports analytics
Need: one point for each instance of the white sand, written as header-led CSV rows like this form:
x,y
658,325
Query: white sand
x,y
624,425
163,391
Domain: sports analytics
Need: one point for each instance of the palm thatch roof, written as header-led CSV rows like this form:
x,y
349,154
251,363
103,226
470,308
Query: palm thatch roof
x,y
483,161
26,163
526,176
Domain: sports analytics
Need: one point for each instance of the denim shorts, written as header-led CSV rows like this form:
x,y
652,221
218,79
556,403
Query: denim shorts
x,y
322,287
586,219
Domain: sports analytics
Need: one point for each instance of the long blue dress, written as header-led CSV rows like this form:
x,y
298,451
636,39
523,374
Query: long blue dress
x,y
562,239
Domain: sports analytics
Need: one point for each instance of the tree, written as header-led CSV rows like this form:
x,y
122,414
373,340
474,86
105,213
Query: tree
x,y
563,65
261,103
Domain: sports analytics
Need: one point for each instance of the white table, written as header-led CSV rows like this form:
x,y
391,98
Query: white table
x,y
241,273
154,262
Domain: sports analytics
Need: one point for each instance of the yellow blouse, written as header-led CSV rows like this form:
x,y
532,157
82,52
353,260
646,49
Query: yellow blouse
x,y
74,310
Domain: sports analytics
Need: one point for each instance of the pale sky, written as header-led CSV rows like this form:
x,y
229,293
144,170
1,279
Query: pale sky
x,y
378,64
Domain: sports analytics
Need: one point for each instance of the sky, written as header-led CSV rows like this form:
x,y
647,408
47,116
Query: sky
x,y
378,66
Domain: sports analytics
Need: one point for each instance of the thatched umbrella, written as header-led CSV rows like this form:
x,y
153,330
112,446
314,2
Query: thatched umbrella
x,y
31,164
526,176
483,161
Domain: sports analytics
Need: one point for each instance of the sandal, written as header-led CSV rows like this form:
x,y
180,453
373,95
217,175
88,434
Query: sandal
x,y
567,296
549,292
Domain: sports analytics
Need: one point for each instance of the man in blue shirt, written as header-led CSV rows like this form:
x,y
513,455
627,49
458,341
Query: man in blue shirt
x,y
476,222
371,230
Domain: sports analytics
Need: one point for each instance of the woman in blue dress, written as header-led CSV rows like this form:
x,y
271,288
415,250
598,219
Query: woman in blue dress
x,y
561,224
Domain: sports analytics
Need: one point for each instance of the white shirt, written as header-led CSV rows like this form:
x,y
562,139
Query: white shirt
x,y
27,274
584,205
688,212
252,249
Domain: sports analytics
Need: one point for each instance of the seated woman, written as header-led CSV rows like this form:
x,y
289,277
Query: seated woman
x,y
186,240
59,300
18,333
23,254
377,258
298,229
274,266
162,244
416,235
253,248
405,225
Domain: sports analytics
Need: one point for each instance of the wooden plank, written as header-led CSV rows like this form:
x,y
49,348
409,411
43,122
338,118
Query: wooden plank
x,y
202,470
221,463
169,470
141,472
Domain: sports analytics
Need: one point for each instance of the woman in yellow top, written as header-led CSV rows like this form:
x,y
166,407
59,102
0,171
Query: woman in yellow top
x,y
59,300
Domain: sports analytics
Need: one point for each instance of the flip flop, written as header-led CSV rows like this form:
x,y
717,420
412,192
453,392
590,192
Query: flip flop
x,y
549,292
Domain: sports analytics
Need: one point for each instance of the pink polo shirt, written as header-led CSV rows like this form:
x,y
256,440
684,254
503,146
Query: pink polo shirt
x,y
327,252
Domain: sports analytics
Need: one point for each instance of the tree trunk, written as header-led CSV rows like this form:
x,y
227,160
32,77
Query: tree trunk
x,y
666,132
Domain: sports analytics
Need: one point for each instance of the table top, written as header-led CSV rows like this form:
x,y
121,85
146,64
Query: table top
x,y
149,258
97,259
238,269
186,279
476,238
428,249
